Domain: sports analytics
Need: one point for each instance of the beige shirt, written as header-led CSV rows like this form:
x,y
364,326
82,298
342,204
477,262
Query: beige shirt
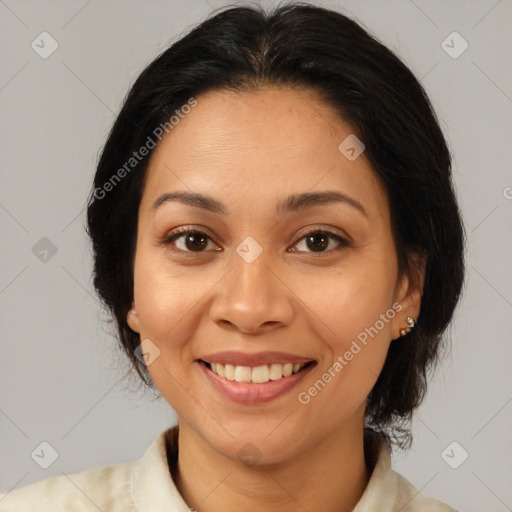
x,y
146,485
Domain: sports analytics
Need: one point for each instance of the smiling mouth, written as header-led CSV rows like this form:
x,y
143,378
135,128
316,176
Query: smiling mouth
x,y
255,374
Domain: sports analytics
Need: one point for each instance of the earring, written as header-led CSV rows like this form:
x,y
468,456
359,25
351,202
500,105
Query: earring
x,y
411,323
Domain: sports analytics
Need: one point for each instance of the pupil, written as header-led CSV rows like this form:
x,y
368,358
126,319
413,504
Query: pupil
x,y
324,242
198,244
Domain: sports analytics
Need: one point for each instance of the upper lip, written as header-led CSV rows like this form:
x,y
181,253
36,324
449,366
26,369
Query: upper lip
x,y
259,359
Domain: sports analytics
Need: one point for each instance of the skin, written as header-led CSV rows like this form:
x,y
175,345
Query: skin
x,y
250,150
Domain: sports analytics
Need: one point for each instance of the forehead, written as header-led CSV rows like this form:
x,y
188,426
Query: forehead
x,y
260,145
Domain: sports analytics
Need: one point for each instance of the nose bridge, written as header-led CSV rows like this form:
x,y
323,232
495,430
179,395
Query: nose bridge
x,y
251,270
250,295
250,277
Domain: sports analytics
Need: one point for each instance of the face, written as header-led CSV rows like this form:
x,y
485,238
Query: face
x,y
249,279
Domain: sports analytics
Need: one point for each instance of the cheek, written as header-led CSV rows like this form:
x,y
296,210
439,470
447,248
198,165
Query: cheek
x,y
352,301
358,314
353,316
168,307
163,296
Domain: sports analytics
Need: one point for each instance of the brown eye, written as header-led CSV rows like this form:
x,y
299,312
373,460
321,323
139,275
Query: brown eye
x,y
318,241
188,240
196,241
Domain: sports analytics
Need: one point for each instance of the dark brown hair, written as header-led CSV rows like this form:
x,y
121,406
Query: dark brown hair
x,y
308,47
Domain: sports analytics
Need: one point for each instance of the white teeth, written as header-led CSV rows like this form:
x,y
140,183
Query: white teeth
x,y
287,370
229,371
256,375
243,374
260,374
276,371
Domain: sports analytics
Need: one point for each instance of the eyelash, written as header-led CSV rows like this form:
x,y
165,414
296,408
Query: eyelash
x,y
182,231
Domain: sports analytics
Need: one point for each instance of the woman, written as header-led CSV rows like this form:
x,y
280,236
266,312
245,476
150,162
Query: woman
x,y
276,233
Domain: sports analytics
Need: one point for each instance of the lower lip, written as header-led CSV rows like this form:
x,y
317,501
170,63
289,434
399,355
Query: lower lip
x,y
250,393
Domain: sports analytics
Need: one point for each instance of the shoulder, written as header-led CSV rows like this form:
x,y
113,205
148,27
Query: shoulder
x,y
113,488
389,491
101,488
412,500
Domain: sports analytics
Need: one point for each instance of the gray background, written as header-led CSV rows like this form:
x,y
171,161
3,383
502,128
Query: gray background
x,y
61,376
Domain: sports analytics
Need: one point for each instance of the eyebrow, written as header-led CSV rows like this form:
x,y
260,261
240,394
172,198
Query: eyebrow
x,y
293,203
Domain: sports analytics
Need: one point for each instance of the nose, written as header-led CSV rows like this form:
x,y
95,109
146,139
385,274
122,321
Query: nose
x,y
252,298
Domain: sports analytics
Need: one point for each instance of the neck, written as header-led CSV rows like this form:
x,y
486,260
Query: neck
x,y
330,477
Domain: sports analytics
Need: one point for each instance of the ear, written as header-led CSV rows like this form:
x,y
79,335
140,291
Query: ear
x,y
409,291
133,319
